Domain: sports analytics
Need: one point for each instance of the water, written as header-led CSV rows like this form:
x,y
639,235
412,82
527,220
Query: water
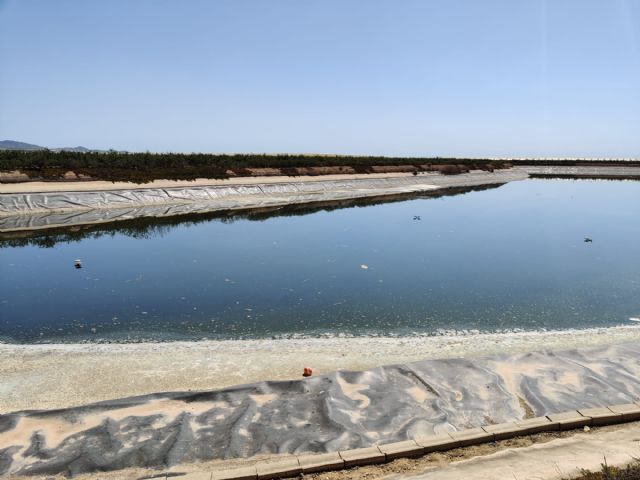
x,y
504,259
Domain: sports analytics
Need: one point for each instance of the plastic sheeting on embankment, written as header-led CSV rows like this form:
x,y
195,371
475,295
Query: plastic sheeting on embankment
x,y
24,211
331,412
602,171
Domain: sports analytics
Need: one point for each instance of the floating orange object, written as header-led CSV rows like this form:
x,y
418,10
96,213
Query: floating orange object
x,y
307,372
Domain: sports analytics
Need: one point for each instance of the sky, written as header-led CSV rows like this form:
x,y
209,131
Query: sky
x,y
500,78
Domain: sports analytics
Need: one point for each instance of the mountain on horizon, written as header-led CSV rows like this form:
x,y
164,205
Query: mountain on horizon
x,y
15,145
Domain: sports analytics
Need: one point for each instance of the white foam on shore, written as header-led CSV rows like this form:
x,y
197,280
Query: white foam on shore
x,y
462,341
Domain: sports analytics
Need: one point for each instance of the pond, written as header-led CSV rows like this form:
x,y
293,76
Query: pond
x,y
502,259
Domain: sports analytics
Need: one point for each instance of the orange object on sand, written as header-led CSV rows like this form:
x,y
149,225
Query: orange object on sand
x,y
307,372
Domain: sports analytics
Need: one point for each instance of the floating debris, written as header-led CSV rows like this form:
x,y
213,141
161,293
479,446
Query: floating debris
x,y
588,240
364,267
77,263
417,217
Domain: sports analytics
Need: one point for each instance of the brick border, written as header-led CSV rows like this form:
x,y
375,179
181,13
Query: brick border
x,y
310,463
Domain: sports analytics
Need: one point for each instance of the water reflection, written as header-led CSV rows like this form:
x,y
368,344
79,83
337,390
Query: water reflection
x,y
150,227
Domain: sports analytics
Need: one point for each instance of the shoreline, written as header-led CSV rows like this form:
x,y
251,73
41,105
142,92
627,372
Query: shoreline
x,y
29,211
37,206
336,412
82,373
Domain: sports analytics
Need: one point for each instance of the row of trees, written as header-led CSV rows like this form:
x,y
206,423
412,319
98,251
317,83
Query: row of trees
x,y
43,159
40,159
145,167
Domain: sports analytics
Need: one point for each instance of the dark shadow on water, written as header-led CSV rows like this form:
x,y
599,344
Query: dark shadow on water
x,y
149,227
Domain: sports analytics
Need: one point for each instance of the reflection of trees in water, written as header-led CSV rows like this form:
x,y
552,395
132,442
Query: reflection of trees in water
x,y
152,227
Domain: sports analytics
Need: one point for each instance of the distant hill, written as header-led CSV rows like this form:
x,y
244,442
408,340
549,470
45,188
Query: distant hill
x,y
73,149
13,145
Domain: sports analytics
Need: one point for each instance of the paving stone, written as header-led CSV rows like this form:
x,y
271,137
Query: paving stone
x,y
537,425
196,476
321,463
502,431
244,473
630,411
362,456
436,443
569,420
471,436
405,449
285,468
601,416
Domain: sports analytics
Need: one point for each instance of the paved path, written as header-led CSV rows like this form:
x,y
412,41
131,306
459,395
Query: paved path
x,y
561,458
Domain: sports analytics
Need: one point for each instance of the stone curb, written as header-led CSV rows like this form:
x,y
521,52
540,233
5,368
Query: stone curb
x,y
409,448
362,456
323,462
285,468
421,445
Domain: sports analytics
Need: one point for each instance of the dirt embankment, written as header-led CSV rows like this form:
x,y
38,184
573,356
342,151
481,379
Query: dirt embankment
x,y
188,173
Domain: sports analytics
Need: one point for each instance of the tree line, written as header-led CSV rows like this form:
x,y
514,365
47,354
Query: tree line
x,y
40,159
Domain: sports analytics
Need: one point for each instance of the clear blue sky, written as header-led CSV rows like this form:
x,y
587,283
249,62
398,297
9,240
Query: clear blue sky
x,y
393,77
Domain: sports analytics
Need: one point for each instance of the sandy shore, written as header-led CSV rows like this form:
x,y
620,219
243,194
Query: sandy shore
x,y
53,376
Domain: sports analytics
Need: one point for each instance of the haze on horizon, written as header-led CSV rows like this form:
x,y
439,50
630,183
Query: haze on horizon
x,y
410,77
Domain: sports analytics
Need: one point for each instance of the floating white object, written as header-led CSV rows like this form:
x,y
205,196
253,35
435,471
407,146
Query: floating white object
x,y
634,319
364,267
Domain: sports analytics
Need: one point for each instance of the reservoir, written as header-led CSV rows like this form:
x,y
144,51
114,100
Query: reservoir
x,y
502,259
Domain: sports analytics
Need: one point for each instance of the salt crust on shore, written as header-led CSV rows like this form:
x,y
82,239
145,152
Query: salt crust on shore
x,y
63,375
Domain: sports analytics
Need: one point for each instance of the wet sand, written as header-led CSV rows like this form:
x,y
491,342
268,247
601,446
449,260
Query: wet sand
x,y
65,375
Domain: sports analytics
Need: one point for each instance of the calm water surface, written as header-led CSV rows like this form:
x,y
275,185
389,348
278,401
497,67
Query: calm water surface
x,y
502,259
